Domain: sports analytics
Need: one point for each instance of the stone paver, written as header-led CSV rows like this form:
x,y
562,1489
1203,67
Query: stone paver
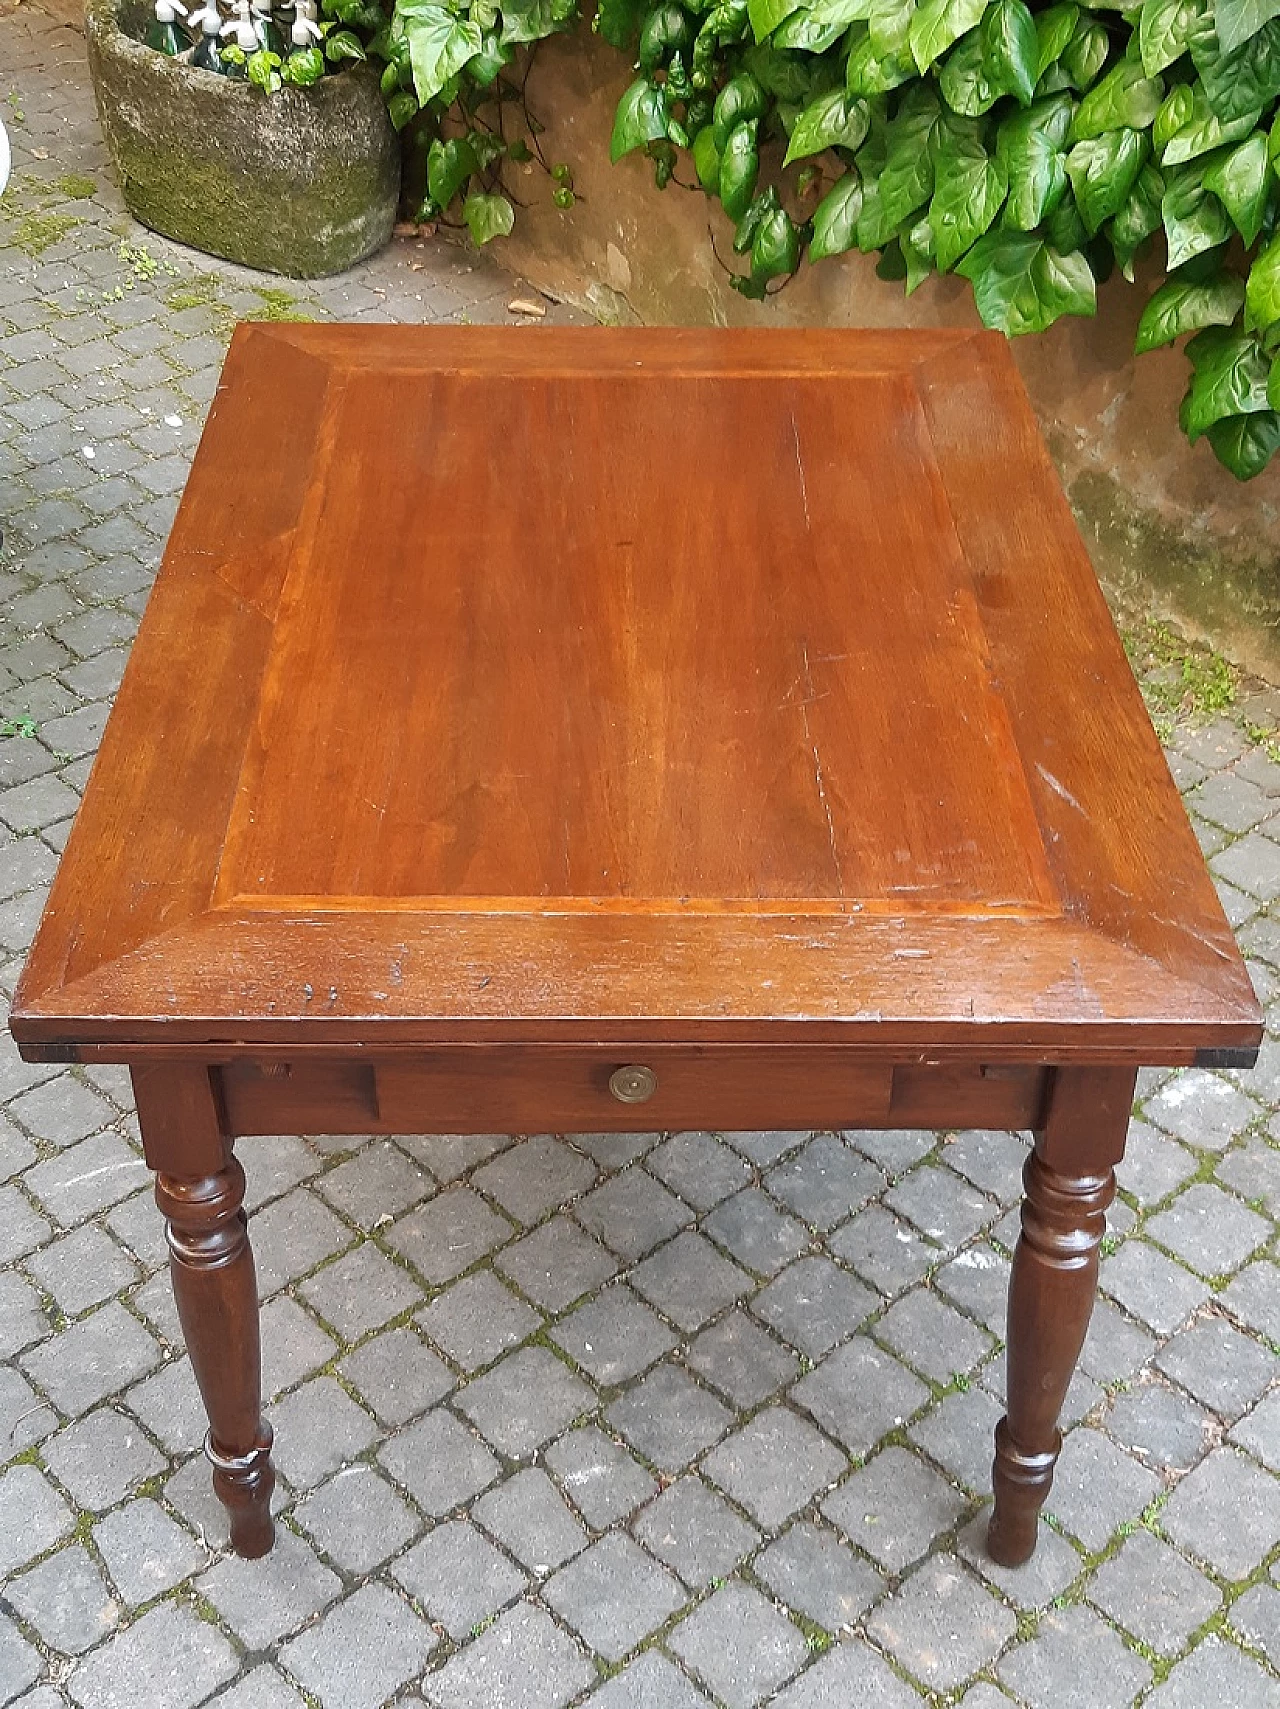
x,y
1076,1644
1150,1590
523,1659
614,1595
459,1577
943,1625
739,1646
640,1421
694,1532
362,1651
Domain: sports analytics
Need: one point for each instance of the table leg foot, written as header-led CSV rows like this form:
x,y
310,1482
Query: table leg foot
x,y
1022,1483
1069,1184
243,1484
216,1291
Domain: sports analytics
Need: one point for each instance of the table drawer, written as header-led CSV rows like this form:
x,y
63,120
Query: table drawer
x,y
564,1090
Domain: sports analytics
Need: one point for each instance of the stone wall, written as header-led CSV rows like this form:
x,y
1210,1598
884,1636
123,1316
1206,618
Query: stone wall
x,y
1169,529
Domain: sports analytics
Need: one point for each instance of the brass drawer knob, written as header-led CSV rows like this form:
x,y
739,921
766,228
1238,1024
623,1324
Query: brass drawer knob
x,y
633,1084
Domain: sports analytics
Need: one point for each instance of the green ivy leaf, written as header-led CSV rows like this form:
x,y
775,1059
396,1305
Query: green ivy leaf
x,y
1029,147
1204,130
1237,20
402,107
1054,29
801,31
641,118
916,243
1138,219
839,13
1176,110
873,230
264,67
742,99
1086,53
666,31
1020,284
1246,81
766,15
867,75
493,56
1239,181
739,169
1064,228
835,218
834,119
1194,219
1245,443
1230,378
775,248
1181,305
618,21
344,44
906,179
534,20
888,23
749,223
1262,291
1126,99
939,23
788,76
439,44
449,165
1164,31
488,217
1103,170
303,67
706,160
969,190
1010,48
965,84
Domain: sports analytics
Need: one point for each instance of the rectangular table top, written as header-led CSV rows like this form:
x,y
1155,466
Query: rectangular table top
x,y
536,684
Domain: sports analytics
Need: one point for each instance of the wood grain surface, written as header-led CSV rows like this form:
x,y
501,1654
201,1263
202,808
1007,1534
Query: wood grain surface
x,y
694,687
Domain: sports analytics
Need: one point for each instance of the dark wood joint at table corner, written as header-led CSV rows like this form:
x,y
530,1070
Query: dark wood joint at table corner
x,y
1240,1056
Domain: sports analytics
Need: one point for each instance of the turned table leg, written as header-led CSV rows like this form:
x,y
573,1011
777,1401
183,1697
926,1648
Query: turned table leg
x,y
1070,1182
200,1190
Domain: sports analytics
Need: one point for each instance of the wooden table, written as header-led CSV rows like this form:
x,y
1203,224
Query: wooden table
x,y
580,730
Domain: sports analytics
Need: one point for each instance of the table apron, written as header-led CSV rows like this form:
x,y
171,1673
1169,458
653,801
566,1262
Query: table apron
x,y
525,1089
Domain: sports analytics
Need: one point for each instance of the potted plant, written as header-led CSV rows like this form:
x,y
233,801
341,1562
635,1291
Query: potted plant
x,y
280,166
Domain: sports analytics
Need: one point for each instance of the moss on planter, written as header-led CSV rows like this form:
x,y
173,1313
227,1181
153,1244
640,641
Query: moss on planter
x,y
304,182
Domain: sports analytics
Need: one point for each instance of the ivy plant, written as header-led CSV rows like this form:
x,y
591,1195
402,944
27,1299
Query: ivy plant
x,y
453,74
1032,149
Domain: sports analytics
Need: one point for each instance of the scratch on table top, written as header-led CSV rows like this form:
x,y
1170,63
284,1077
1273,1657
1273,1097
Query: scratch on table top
x,y
1059,788
804,488
817,763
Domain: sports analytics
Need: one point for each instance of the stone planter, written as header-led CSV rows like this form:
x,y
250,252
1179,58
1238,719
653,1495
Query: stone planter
x,y
304,182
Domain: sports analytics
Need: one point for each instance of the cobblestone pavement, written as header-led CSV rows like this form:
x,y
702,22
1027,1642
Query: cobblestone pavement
x,y
646,1422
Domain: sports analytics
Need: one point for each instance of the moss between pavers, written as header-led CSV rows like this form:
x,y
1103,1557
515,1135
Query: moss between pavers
x,y
304,182
37,232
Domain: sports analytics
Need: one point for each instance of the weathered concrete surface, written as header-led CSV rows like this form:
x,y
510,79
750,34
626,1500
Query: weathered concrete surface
x,y
303,183
1166,525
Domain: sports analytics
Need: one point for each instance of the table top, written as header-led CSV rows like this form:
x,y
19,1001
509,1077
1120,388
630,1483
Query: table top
x,y
546,684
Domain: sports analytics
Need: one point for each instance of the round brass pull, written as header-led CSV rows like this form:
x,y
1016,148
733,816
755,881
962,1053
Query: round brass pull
x,y
633,1084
